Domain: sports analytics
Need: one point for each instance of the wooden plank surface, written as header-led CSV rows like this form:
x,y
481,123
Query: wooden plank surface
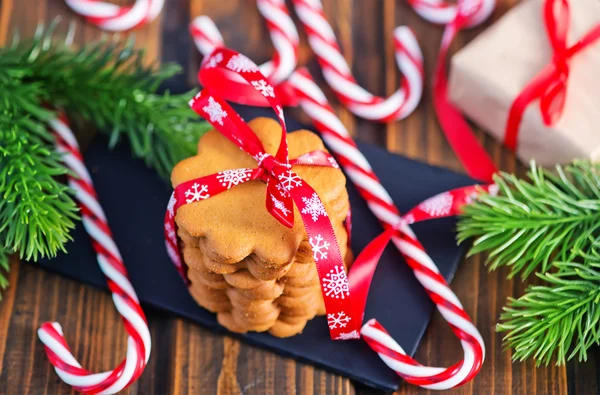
x,y
188,359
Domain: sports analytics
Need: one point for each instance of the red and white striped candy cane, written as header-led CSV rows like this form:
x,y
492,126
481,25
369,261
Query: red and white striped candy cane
x,y
442,13
115,18
315,104
282,30
339,77
111,264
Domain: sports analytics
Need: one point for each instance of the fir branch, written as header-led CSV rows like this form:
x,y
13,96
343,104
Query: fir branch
x,y
108,85
4,268
558,319
36,212
532,223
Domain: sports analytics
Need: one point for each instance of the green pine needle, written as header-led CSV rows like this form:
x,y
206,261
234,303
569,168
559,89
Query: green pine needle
x,y
558,319
532,223
4,268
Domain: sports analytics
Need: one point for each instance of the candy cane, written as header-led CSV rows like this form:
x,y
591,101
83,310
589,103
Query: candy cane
x,y
284,37
111,264
315,105
442,13
115,18
338,74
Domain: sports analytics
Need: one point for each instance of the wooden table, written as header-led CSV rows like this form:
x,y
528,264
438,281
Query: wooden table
x,y
189,359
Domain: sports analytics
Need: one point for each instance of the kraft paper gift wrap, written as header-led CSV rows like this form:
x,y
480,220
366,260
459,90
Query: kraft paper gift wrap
x,y
490,72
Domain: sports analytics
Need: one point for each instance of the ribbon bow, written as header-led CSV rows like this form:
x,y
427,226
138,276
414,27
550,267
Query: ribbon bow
x,y
284,187
550,84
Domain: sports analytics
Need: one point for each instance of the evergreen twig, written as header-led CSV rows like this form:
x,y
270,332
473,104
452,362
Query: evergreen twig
x,y
532,223
558,319
550,225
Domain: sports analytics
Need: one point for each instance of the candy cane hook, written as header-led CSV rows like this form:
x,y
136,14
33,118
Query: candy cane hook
x,y
338,74
115,18
442,13
111,264
282,31
315,105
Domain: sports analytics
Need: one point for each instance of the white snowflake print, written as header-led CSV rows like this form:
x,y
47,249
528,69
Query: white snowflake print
x,y
193,100
319,247
335,284
264,88
278,204
438,205
230,178
307,159
348,335
241,63
280,112
314,207
333,162
338,320
282,190
173,254
170,232
171,205
214,61
290,180
214,111
261,156
408,219
196,193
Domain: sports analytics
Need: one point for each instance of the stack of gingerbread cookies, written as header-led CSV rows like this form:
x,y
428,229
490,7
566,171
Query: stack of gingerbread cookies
x,y
243,264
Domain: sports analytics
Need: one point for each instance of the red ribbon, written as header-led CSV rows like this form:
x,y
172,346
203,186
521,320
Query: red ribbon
x,y
459,134
284,187
550,86
345,299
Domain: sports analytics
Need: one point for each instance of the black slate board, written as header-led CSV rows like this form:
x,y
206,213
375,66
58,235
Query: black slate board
x,y
396,299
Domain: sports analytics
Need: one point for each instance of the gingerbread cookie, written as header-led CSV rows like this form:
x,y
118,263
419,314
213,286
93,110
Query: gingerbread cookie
x,y
243,264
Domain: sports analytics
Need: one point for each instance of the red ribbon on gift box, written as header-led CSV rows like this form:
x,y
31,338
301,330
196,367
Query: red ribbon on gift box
x,y
549,86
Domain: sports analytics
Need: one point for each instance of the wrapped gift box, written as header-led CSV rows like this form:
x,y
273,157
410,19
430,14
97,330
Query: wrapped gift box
x,y
489,73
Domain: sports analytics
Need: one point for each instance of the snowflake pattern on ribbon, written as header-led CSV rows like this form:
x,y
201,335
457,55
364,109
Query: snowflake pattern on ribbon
x,y
319,247
313,207
280,112
264,88
289,180
338,320
214,111
196,193
278,204
241,63
170,232
437,205
214,61
307,159
230,178
333,162
335,284
348,335
171,205
282,190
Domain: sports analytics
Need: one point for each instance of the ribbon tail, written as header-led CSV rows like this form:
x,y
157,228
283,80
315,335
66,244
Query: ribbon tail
x,y
279,206
362,270
461,138
532,91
